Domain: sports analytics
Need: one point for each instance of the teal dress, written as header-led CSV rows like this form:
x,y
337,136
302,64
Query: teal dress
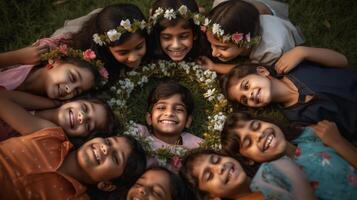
x,y
330,175
272,180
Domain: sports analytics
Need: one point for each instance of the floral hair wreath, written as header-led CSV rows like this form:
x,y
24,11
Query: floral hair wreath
x,y
115,34
171,14
240,39
87,55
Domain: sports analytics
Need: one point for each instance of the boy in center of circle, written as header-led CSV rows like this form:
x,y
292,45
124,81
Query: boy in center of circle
x,y
170,107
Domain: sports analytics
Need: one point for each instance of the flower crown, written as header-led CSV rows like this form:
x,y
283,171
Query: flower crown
x,y
88,56
171,14
240,39
114,34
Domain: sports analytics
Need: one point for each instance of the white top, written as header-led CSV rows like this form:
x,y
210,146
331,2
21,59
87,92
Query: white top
x,y
278,36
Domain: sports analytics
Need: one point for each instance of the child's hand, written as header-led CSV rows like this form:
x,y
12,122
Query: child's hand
x,y
328,132
289,60
32,55
206,63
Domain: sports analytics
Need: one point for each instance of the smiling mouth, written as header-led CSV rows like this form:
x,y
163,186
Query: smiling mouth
x,y
96,154
168,121
177,53
269,136
257,96
136,198
230,173
71,118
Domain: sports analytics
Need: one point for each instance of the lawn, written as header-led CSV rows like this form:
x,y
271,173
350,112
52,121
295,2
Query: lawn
x,y
325,23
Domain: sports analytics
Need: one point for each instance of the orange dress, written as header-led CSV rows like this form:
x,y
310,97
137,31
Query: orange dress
x,y
29,164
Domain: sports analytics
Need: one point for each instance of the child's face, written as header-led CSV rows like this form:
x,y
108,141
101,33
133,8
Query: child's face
x,y
253,90
80,118
168,116
103,159
260,141
131,52
152,185
176,41
218,175
65,81
224,51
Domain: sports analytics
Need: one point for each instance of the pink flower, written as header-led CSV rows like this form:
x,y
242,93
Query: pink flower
x,y
103,72
176,162
236,37
89,54
203,29
297,152
63,49
247,37
352,179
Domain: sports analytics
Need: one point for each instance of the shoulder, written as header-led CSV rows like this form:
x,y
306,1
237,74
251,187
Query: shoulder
x,y
190,140
142,129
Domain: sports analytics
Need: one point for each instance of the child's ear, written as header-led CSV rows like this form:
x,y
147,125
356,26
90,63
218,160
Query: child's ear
x,y
148,118
188,121
106,186
263,71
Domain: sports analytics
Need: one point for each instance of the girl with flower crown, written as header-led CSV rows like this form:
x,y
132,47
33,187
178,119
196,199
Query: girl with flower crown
x,y
175,29
63,74
236,29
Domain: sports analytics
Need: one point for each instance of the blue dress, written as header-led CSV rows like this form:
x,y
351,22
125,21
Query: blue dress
x,y
334,92
331,176
272,182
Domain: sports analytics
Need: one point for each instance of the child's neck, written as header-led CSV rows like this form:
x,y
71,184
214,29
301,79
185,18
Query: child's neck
x,y
284,91
243,189
34,82
169,139
49,114
290,150
70,167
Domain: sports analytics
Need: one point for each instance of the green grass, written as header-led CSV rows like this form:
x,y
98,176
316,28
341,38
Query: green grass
x,y
325,23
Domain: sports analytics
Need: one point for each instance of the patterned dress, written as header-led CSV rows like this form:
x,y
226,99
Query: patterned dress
x,y
330,175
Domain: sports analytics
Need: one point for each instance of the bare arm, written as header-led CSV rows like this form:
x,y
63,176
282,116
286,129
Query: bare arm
x,y
30,55
19,118
293,57
220,68
330,135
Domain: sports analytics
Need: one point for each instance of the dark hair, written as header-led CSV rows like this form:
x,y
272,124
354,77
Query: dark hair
x,y
164,23
231,142
107,19
166,90
188,164
236,16
135,166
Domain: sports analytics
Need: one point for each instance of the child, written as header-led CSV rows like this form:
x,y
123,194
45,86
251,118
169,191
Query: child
x,y
65,74
170,107
159,183
80,118
237,29
175,33
331,169
116,34
42,165
308,94
217,176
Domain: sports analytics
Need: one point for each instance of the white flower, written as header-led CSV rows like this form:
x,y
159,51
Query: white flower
x,y
183,10
113,35
97,40
216,29
125,24
196,19
209,93
161,161
158,11
226,38
206,22
142,24
170,14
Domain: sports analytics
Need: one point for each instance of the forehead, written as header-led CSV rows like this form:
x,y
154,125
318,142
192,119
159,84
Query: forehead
x,y
173,99
179,28
134,40
156,177
199,163
214,41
